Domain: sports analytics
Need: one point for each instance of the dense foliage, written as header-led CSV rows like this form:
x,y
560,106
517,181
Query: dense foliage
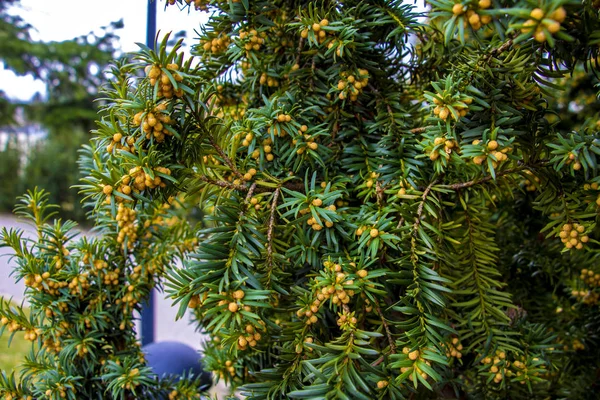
x,y
396,207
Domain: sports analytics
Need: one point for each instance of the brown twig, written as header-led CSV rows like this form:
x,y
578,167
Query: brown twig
x,y
225,157
500,49
300,46
271,225
418,130
387,330
297,187
248,197
379,190
223,184
421,205
378,361
462,185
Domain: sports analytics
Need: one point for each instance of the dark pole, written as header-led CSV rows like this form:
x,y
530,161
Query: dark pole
x,y
151,25
147,313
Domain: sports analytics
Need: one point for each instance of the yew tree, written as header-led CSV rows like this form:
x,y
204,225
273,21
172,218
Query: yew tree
x,y
390,203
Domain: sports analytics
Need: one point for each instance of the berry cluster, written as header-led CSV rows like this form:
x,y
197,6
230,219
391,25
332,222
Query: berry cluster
x,y
472,17
142,180
498,366
317,29
331,288
276,128
304,142
44,283
441,108
350,86
269,80
492,148
454,348
312,222
541,23
570,235
154,124
13,326
120,144
415,355
586,296
529,183
165,86
346,320
126,219
108,277
79,284
590,278
267,148
250,174
445,146
217,44
248,139
252,40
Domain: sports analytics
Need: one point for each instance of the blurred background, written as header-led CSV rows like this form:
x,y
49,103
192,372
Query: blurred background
x,y
53,58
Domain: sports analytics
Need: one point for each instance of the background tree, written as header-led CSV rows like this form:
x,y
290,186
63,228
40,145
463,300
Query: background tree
x,y
73,72
395,208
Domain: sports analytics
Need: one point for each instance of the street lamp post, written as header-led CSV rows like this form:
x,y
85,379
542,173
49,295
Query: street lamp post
x,y
147,313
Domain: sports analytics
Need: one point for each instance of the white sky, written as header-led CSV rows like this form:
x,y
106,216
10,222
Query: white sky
x,y
58,20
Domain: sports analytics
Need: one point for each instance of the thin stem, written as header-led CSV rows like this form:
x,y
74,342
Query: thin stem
x,y
271,225
462,185
387,330
225,158
223,184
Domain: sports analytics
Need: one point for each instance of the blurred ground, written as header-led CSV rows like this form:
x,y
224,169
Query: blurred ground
x,y
166,328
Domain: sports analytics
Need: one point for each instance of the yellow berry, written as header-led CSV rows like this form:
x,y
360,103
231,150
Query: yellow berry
x,y
492,145
413,355
559,14
537,13
485,4
540,36
553,27
457,9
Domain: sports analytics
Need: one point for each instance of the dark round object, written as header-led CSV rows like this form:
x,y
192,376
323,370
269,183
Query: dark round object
x,y
175,359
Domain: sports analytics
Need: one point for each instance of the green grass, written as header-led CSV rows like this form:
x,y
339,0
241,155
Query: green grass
x,y
11,357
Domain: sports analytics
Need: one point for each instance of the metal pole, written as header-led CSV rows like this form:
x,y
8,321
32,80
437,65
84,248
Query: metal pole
x,y
147,313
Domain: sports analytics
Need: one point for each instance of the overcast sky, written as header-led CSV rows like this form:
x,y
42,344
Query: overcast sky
x,y
65,19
